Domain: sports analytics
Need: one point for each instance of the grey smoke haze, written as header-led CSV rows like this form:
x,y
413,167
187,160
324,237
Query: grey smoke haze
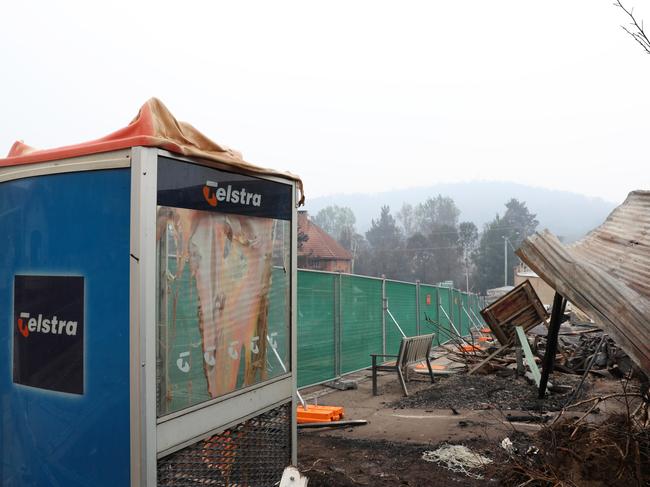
x,y
566,214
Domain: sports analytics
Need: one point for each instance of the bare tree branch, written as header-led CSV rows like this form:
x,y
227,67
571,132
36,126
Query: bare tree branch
x,y
636,29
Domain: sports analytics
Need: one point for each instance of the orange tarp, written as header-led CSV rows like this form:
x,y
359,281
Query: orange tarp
x,y
154,126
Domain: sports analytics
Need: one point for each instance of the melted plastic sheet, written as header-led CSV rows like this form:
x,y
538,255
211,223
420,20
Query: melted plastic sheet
x,y
223,284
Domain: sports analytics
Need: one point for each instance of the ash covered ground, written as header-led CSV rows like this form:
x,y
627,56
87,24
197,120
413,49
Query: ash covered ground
x,y
464,391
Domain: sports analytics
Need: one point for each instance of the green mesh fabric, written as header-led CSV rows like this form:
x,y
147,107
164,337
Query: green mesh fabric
x,y
348,309
444,303
361,310
429,309
316,321
277,328
402,305
456,311
464,311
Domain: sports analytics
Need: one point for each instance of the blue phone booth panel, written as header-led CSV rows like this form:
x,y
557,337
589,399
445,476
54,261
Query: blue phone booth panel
x,y
64,330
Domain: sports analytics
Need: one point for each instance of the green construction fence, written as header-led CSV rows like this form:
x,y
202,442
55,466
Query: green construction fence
x,y
343,318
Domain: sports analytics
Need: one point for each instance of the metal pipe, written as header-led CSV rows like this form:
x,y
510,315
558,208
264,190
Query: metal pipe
x,y
451,322
334,424
277,356
477,318
396,323
471,320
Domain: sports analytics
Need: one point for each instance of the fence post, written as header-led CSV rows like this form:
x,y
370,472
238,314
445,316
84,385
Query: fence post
x,y
384,307
337,326
417,306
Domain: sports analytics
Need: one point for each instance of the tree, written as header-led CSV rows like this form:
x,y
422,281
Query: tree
x,y
434,212
635,29
302,238
419,256
339,222
467,240
385,239
506,232
406,218
443,240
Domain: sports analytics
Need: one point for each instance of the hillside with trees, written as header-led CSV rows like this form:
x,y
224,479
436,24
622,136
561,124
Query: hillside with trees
x,y
426,241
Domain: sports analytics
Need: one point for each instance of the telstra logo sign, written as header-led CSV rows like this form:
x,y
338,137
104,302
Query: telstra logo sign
x,y
213,194
28,324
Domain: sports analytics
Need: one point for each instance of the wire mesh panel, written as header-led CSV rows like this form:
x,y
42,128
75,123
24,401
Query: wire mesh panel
x,y
252,454
316,334
402,305
361,310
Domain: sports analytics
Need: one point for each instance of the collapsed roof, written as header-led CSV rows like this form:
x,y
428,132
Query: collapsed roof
x,y
606,274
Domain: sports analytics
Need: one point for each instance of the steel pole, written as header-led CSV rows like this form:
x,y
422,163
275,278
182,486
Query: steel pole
x,y
505,261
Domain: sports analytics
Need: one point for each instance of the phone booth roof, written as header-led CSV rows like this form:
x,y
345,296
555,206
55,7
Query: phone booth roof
x,y
153,126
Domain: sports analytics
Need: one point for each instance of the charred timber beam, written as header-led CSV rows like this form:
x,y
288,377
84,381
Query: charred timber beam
x,y
559,304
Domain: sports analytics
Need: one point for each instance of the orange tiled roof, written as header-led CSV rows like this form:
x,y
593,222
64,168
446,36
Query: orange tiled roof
x,y
320,244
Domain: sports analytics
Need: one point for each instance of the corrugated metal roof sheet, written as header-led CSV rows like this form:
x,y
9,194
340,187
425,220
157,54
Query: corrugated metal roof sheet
x,y
606,274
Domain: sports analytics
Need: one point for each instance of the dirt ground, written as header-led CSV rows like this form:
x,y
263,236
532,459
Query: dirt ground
x,y
339,462
492,391
458,410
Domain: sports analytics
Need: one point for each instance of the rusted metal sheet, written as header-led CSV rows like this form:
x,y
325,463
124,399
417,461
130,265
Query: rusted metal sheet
x,y
606,274
520,307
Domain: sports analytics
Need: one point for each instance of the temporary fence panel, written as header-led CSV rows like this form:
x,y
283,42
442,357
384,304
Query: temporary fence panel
x,y
477,309
277,339
472,309
455,310
316,327
429,309
428,305
340,320
464,319
444,314
444,305
402,305
361,315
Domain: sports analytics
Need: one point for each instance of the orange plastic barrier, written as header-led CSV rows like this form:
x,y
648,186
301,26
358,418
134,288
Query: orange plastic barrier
x,y
423,366
319,414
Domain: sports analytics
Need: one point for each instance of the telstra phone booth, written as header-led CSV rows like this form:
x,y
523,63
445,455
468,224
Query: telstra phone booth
x,y
147,310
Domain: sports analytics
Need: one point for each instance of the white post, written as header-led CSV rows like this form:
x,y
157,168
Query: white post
x,y
505,261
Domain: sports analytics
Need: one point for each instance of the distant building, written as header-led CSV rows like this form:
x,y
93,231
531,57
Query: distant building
x,y
318,250
543,290
495,293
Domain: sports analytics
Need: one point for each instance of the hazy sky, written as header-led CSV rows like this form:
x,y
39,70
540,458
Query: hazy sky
x,y
351,95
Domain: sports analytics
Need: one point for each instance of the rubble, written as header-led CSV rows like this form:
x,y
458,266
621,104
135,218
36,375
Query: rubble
x,y
613,452
462,391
